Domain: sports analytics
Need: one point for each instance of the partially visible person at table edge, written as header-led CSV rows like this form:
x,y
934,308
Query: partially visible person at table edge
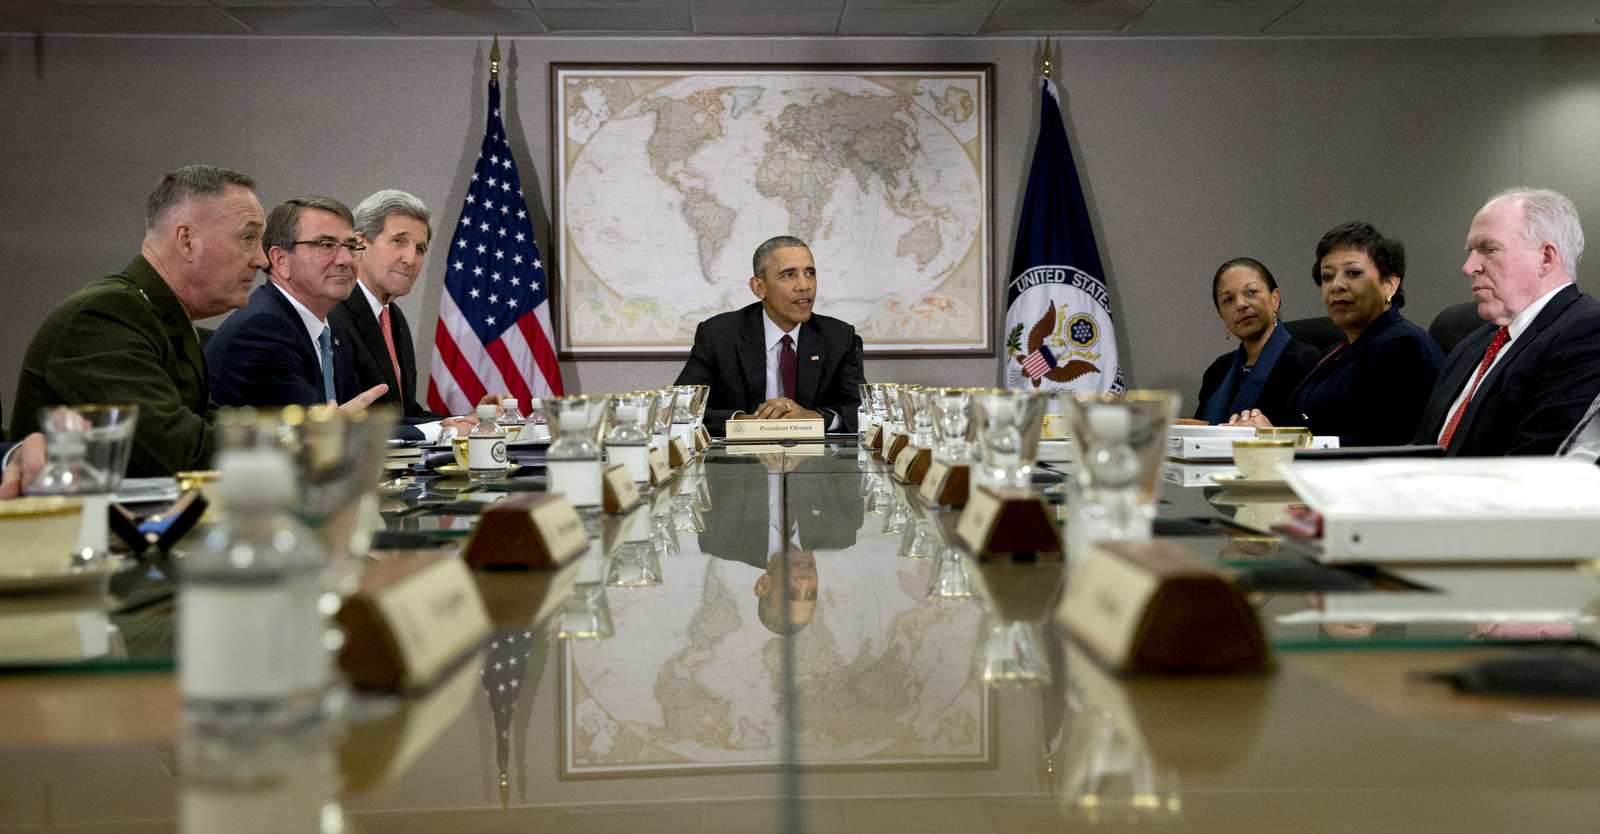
x,y
1269,363
1372,388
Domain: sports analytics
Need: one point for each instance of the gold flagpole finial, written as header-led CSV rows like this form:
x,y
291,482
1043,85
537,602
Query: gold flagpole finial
x,y
1046,57
494,60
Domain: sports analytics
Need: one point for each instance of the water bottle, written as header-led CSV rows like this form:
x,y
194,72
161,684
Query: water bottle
x,y
486,448
254,640
511,420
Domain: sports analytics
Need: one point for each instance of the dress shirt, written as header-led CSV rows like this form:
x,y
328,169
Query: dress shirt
x,y
430,431
773,336
1516,328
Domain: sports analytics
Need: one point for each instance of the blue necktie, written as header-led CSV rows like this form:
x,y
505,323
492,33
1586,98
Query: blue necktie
x,y
325,344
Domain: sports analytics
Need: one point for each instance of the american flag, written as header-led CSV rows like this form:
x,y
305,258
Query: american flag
x,y
1039,362
494,315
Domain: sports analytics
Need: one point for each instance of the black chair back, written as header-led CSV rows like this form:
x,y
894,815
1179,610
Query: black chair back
x,y
1453,324
1319,332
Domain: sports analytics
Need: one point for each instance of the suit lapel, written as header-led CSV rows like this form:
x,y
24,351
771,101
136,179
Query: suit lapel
x,y
1552,310
308,348
407,353
371,334
809,361
753,357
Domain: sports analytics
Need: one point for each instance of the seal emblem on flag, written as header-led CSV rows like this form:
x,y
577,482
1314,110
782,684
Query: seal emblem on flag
x,y
1057,348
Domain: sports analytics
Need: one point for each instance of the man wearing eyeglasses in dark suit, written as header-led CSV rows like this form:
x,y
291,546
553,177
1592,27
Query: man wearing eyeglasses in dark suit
x,y
281,348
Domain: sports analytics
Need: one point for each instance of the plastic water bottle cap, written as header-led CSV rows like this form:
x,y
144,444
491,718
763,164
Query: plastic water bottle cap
x,y
510,403
485,412
264,477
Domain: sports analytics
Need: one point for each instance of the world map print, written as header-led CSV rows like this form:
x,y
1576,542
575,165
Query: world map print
x,y
667,182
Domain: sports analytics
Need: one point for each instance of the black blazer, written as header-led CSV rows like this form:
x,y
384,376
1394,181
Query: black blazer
x,y
372,355
824,506
263,356
1371,392
728,355
1294,363
1536,392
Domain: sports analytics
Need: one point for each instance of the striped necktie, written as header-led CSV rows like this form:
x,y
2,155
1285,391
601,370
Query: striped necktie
x,y
388,339
325,346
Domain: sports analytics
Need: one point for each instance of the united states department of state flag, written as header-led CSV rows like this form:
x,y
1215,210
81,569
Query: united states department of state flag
x,y
1058,311
494,315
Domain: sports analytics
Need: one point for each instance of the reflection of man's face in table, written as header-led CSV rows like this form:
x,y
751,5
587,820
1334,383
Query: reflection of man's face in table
x,y
797,572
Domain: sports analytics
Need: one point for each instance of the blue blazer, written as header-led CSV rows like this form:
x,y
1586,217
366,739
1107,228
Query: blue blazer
x,y
263,356
1371,392
1536,392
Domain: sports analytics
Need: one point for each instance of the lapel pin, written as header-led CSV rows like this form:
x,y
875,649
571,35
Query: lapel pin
x,y
815,357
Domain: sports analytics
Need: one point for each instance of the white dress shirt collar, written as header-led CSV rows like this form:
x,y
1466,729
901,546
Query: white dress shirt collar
x,y
313,324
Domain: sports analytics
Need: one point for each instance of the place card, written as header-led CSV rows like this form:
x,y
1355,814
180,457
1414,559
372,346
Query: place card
x,y
1152,606
531,530
660,472
1007,520
912,464
875,436
945,484
677,452
702,438
620,490
897,444
409,621
744,431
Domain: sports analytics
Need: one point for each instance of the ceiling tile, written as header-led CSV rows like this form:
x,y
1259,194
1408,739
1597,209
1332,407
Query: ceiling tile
x,y
165,21
368,21
293,4
140,3
766,21
611,5
615,20
756,5
1329,20
467,21
44,16
1232,21
453,4
920,6
1507,17
1060,20
941,21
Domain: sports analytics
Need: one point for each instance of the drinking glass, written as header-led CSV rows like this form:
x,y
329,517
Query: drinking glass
x,y
1009,423
955,425
1119,440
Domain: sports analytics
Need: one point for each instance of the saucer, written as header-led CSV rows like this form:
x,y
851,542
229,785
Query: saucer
x,y
1235,480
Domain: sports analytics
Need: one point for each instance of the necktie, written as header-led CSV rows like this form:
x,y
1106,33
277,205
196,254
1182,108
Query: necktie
x,y
1572,439
325,345
1501,336
788,367
388,339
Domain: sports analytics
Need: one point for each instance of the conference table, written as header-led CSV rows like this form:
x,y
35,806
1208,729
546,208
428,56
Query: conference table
x,y
675,707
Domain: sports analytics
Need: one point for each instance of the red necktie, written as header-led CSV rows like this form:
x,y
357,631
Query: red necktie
x,y
1501,336
388,339
788,366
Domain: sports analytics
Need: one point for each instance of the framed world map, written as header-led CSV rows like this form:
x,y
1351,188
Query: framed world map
x,y
669,177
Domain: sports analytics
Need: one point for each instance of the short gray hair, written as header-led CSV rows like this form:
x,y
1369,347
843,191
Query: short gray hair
x,y
373,213
186,183
1549,217
765,250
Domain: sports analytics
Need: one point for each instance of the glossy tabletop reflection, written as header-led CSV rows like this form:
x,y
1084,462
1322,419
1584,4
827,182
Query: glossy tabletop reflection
x,y
800,649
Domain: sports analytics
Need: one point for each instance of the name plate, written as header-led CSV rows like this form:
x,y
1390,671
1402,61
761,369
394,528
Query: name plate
x,y
659,470
620,490
875,436
702,438
677,452
744,431
1151,606
896,444
945,484
912,464
410,620
1010,520
532,530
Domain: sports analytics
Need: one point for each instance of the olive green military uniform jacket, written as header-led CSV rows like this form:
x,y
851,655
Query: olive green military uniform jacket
x,y
125,339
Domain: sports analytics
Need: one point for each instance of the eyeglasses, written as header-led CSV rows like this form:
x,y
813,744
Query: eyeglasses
x,y
325,247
